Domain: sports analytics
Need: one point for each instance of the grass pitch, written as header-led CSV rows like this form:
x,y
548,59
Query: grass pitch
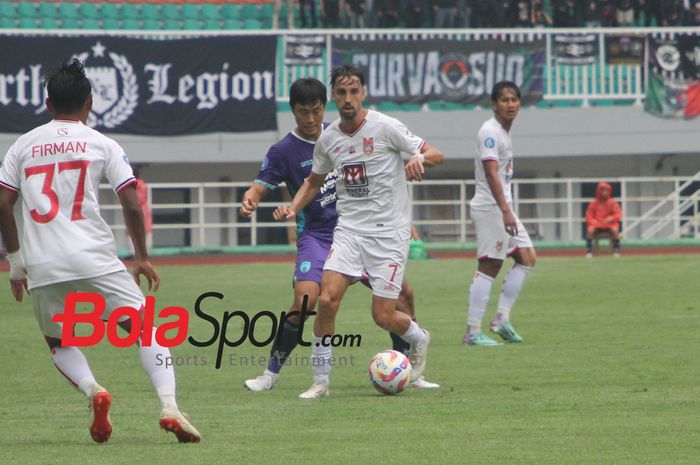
x,y
608,374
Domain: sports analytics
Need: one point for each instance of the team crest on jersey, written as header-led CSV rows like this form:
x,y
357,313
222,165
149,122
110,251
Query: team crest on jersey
x,y
115,92
368,145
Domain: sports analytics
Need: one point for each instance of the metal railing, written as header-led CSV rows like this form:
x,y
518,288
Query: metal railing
x,y
551,209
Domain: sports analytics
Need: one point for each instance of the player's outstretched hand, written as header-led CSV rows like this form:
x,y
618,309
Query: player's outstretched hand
x,y
144,267
247,207
414,169
18,287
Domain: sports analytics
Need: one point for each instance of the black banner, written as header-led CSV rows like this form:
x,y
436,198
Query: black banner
x,y
677,57
442,69
575,49
147,86
624,49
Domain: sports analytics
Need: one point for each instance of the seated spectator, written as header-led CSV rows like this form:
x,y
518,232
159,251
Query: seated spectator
x,y
330,12
445,13
624,13
355,10
522,13
693,14
592,13
564,13
415,14
608,11
671,13
387,12
603,215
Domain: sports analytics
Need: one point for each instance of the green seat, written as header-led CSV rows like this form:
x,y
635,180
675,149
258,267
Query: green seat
x,y
172,25
190,11
250,23
267,10
27,23
110,24
150,11
211,11
109,11
91,23
8,10
7,23
151,24
232,24
70,23
191,24
69,10
27,10
48,23
170,11
130,11
48,10
131,24
250,11
90,10
231,11
211,24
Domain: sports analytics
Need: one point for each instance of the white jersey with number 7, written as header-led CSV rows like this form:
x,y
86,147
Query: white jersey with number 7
x,y
57,169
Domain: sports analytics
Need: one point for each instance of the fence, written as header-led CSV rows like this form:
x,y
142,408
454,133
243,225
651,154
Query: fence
x,y
551,209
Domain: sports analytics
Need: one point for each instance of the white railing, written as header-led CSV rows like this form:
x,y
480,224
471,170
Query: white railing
x,y
551,209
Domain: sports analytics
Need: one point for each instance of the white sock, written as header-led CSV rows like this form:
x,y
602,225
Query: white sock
x,y
321,361
479,292
73,365
413,335
163,378
512,285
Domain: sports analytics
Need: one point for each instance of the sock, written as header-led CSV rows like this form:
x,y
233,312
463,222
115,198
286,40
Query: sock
x,y
413,334
321,361
479,293
399,345
589,245
153,360
512,285
74,366
616,245
287,343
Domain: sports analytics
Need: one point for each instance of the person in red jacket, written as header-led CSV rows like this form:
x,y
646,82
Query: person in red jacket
x,y
603,214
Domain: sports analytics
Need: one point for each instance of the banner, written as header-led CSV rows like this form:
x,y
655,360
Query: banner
x,y
304,50
147,86
624,49
575,49
672,99
677,57
442,69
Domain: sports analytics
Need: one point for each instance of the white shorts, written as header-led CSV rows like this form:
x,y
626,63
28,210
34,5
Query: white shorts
x,y
492,240
382,259
118,289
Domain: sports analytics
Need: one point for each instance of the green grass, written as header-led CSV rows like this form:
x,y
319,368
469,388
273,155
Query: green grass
x,y
608,374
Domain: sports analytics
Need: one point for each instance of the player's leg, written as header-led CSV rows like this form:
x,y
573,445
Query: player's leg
x,y
120,290
70,361
492,242
590,231
615,231
289,336
524,255
333,287
312,250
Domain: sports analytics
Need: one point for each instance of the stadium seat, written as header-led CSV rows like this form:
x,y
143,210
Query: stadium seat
x,y
69,10
250,11
47,10
231,11
267,10
109,11
27,10
172,25
8,10
250,23
70,23
91,24
48,23
130,11
211,11
191,24
150,11
190,11
90,10
7,23
27,23
131,24
110,24
211,24
232,24
151,24
170,11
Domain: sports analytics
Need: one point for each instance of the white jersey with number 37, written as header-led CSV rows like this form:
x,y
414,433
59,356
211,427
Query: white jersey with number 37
x,y
371,188
492,143
57,169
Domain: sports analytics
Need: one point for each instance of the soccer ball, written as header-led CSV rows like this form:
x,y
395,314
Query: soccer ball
x,y
389,372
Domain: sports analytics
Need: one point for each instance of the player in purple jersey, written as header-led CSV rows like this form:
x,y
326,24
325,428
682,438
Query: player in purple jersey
x,y
289,161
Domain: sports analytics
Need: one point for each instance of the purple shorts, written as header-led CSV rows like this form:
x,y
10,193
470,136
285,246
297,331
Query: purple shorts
x,y
312,250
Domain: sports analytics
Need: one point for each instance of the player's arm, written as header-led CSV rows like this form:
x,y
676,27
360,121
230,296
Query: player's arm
x,y
306,194
8,228
133,218
427,156
491,172
252,197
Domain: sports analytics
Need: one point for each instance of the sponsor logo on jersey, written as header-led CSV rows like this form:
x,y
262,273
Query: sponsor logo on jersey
x,y
368,145
354,174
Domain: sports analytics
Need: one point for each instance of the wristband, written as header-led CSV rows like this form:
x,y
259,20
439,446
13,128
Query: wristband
x,y
420,157
17,268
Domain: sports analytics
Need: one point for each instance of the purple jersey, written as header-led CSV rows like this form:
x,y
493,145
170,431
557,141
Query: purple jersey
x,y
289,161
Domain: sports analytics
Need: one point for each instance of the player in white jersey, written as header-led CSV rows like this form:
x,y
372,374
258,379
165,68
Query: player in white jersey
x,y
373,228
499,232
55,171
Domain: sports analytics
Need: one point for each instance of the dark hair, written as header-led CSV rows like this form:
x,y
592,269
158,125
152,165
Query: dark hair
x,y
500,86
307,91
347,71
68,87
